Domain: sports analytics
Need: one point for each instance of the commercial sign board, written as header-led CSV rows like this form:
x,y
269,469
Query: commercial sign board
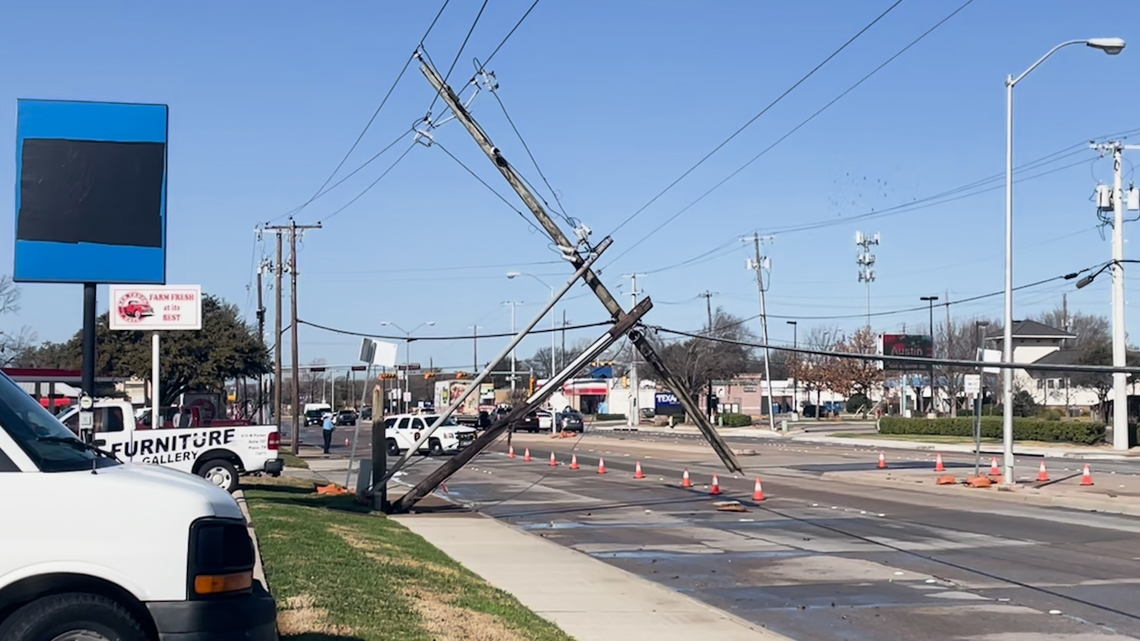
x,y
666,404
168,307
90,192
911,345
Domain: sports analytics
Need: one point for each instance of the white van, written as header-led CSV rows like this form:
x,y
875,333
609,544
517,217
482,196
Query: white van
x,y
92,548
315,413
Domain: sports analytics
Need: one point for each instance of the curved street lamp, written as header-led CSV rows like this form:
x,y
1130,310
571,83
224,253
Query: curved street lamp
x,y
408,356
1110,46
553,315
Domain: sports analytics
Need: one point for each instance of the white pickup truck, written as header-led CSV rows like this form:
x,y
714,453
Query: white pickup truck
x,y
218,454
96,549
402,431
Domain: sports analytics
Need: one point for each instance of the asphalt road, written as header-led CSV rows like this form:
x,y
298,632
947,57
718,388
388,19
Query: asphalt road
x,y
819,559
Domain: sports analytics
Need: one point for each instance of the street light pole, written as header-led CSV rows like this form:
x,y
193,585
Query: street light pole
x,y
933,384
795,380
513,304
1111,46
406,392
553,319
978,325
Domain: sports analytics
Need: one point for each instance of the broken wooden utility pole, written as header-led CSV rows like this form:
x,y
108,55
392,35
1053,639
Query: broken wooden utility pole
x,y
623,327
571,253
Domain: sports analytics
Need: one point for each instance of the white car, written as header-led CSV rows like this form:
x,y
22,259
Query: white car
x,y
402,431
545,420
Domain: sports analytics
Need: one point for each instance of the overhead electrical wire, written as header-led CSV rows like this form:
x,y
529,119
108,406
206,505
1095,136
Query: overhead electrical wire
x,y
763,111
792,131
561,209
489,187
458,54
508,36
371,185
464,337
919,308
438,268
368,125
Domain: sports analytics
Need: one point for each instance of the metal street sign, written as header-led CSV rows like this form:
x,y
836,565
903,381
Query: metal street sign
x,y
367,350
972,384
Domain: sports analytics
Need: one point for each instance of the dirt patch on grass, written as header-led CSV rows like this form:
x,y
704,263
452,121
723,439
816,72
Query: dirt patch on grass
x,y
299,615
388,553
449,623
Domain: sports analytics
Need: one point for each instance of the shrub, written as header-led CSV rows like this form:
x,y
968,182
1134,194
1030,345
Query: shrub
x,y
1024,429
736,420
609,417
1050,414
858,403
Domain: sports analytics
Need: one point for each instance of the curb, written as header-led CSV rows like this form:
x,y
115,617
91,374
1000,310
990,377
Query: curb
x,y
966,449
258,569
1027,496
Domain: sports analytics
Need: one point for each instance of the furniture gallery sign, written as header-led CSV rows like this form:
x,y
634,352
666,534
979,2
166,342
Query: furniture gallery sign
x,y
156,308
910,345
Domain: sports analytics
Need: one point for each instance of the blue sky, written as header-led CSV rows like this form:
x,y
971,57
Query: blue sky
x,y
616,100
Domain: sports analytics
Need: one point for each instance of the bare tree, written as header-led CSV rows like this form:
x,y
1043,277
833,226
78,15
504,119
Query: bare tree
x,y
699,361
14,346
957,341
816,372
848,376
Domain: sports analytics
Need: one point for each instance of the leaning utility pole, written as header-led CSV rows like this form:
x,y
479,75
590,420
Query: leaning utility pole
x,y
634,418
292,229
762,264
570,252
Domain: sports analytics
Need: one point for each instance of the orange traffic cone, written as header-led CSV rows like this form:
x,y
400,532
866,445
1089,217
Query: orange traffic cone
x,y
553,461
1086,478
994,469
715,489
574,462
1042,475
526,455
685,481
938,467
511,452
637,473
758,493
601,465
882,461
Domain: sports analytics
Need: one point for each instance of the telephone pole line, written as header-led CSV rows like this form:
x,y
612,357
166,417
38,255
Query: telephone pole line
x,y
265,264
707,295
571,251
762,264
292,229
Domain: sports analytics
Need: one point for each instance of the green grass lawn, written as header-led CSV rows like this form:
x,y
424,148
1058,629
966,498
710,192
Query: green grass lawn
x,y
342,574
936,439
292,460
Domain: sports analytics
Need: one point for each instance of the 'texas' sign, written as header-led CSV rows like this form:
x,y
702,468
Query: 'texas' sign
x,y
141,308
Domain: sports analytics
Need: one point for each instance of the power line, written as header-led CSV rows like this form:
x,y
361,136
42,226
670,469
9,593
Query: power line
x,y
459,53
439,268
489,187
793,130
370,186
756,117
508,36
376,113
465,337
921,308
561,209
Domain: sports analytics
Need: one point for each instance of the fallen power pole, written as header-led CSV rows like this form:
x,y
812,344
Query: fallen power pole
x,y
569,250
451,466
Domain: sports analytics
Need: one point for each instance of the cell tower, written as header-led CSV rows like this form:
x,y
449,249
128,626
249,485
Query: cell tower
x,y
866,260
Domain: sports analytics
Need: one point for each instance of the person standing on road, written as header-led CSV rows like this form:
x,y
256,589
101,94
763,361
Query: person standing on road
x,y
327,431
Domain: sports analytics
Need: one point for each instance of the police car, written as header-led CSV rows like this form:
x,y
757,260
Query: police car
x,y
217,454
402,431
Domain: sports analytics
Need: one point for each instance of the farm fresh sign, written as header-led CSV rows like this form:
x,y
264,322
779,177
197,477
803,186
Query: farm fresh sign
x,y
156,308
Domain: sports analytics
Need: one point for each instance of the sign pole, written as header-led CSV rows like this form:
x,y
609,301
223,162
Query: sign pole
x,y
156,421
88,374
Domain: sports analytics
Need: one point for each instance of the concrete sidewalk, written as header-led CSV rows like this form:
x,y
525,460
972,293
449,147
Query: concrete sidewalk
x,y
587,598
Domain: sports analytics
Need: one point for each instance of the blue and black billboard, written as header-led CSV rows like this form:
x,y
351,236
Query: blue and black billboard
x,y
90,192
